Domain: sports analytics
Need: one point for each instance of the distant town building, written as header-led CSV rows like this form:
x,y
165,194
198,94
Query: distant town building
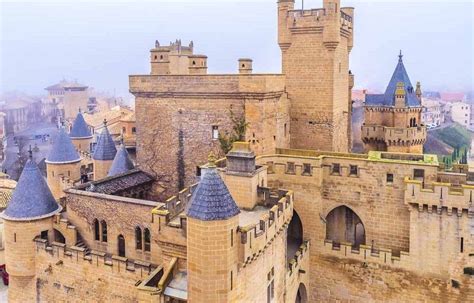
x,y
452,96
432,114
461,113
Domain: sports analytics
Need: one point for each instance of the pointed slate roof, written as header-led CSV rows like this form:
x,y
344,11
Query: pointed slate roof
x,y
80,128
388,98
105,149
63,150
211,200
122,162
32,199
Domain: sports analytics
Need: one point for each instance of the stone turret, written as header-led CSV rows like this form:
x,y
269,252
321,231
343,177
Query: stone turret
x,y
104,154
418,90
121,163
28,216
393,119
80,134
212,223
62,162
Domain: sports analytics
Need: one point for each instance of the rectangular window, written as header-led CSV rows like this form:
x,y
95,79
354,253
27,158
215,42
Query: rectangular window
x,y
462,244
231,238
306,169
270,169
215,132
336,168
389,178
419,174
198,171
290,168
353,170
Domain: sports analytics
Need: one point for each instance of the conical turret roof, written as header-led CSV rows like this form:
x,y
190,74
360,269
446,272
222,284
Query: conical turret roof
x,y
79,128
388,98
63,150
32,199
211,199
105,149
122,162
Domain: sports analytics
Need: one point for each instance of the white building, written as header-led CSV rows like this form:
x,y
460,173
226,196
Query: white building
x,y
432,114
461,113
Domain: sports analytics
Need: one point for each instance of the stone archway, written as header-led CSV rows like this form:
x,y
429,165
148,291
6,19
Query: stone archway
x,y
301,296
344,225
294,237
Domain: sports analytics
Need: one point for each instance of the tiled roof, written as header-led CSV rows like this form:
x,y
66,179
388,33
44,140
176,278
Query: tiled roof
x,y
80,128
32,198
105,149
122,162
63,150
211,199
388,99
115,184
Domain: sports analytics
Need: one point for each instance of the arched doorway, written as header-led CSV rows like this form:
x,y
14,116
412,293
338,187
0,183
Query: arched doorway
x,y
344,225
294,237
301,296
121,246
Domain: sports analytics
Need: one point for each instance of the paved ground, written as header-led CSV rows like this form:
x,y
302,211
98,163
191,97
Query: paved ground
x,y
11,151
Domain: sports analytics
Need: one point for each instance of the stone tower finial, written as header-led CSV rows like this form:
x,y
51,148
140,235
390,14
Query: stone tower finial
x,y
105,122
157,43
211,160
30,153
400,57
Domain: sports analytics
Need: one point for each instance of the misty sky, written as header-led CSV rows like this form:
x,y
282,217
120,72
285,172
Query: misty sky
x,y
101,42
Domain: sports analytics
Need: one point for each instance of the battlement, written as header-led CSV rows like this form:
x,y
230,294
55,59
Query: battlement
x,y
365,253
315,19
255,237
440,196
220,86
61,255
393,135
175,205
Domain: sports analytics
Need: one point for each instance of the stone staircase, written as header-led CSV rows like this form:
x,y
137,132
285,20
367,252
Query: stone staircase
x,y
80,243
70,233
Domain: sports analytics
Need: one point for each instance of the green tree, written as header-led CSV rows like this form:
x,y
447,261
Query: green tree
x,y
239,127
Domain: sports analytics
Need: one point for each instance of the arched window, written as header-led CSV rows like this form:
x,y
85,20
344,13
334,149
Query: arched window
x,y
96,230
147,239
104,231
138,238
414,122
121,245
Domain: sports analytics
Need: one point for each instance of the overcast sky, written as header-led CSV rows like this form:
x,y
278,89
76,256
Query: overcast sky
x,y
101,42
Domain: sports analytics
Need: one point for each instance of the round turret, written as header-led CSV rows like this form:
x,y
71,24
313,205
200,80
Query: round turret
x,y
104,154
62,164
27,217
80,134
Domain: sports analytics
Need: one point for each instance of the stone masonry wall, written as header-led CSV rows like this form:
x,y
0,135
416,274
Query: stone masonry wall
x,y
121,214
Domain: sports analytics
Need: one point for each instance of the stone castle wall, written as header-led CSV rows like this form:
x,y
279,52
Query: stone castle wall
x,y
404,262
176,115
122,216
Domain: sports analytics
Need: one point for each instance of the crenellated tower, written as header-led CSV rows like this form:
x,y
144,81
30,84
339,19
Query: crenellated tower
x,y
315,46
392,121
213,219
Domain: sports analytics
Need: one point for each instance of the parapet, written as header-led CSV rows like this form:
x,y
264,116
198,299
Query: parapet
x,y
438,196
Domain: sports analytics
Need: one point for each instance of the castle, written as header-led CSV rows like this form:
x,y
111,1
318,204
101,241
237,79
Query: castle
x,y
286,215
